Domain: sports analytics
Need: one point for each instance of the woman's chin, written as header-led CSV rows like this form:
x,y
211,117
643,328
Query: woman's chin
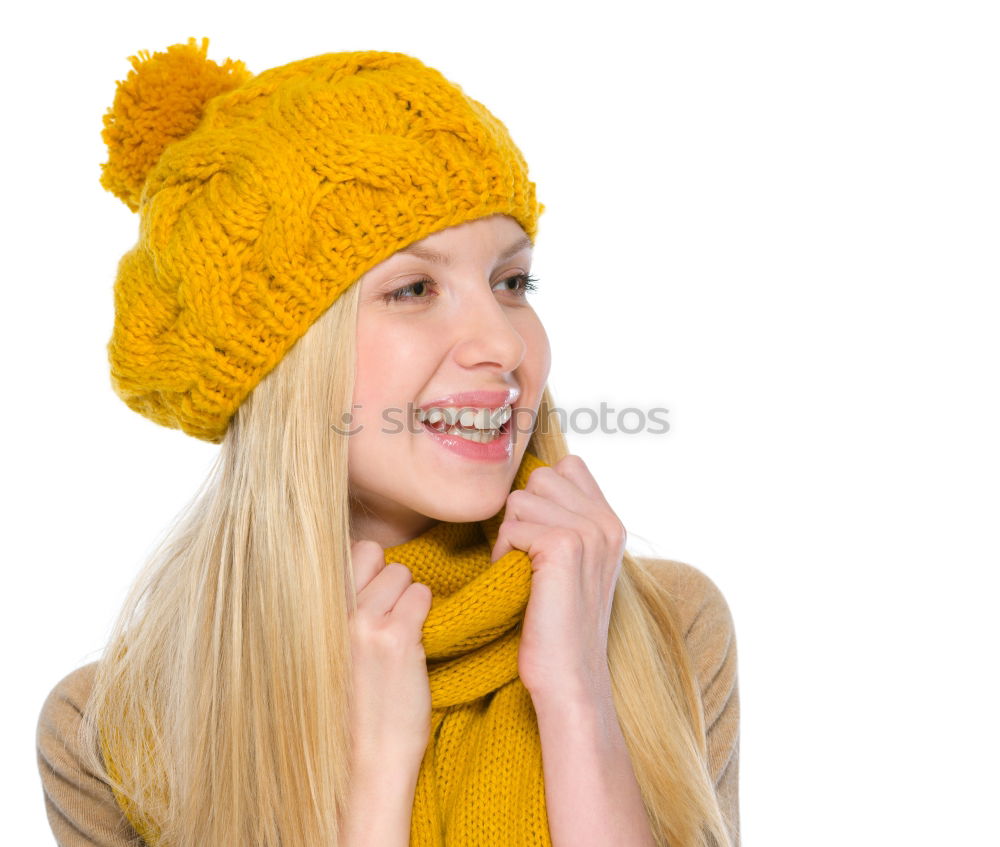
x,y
466,511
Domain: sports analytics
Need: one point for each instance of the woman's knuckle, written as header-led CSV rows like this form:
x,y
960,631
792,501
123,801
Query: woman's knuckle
x,y
365,547
567,540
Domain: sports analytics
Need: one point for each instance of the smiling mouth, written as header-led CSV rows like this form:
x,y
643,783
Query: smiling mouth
x,y
480,436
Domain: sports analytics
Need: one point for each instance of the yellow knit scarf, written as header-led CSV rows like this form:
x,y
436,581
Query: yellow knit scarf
x,y
480,782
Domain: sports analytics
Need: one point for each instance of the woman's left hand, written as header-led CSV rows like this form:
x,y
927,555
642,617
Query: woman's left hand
x,y
576,543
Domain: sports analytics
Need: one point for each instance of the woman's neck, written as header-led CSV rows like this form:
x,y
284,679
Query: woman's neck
x,y
388,530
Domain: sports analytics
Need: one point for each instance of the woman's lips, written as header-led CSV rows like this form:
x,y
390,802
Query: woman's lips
x,y
497,450
479,399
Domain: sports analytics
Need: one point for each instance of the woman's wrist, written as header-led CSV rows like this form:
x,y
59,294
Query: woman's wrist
x,y
370,757
380,804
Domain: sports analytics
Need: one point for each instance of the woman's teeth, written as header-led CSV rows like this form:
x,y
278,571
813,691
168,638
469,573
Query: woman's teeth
x,y
480,425
481,436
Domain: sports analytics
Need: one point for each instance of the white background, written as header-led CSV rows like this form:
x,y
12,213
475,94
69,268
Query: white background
x,y
778,220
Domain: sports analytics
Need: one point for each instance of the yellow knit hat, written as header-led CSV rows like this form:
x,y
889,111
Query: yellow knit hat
x,y
262,198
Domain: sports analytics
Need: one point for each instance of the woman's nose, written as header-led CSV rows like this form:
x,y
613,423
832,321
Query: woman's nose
x,y
487,335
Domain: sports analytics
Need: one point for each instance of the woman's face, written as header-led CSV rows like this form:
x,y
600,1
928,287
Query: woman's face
x,y
446,315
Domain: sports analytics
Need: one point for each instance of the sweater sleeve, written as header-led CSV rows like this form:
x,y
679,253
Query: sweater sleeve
x,y
711,641
81,807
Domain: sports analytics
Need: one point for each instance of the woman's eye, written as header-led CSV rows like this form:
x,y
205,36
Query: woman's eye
x,y
397,295
524,284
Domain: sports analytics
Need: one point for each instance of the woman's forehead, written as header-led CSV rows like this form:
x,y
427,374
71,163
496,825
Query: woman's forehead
x,y
496,238
497,233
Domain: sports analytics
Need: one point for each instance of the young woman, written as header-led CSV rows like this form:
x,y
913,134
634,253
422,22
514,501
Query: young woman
x,y
398,612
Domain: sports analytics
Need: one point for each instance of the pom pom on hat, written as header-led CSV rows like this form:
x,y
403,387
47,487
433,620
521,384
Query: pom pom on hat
x,y
162,99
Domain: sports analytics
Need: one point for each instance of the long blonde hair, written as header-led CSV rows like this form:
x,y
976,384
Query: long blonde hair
x,y
226,681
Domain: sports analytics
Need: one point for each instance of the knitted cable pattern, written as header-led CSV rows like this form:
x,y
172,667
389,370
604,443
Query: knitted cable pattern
x,y
480,782
262,198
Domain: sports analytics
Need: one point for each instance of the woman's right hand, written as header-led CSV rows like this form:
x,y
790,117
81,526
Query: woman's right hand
x,y
391,712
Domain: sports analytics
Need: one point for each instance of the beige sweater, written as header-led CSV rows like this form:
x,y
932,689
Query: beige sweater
x,y
83,813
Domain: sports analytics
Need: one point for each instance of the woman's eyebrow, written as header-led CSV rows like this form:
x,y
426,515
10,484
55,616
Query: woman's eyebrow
x,y
443,259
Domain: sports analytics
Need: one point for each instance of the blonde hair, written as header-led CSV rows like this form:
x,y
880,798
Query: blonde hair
x,y
226,682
